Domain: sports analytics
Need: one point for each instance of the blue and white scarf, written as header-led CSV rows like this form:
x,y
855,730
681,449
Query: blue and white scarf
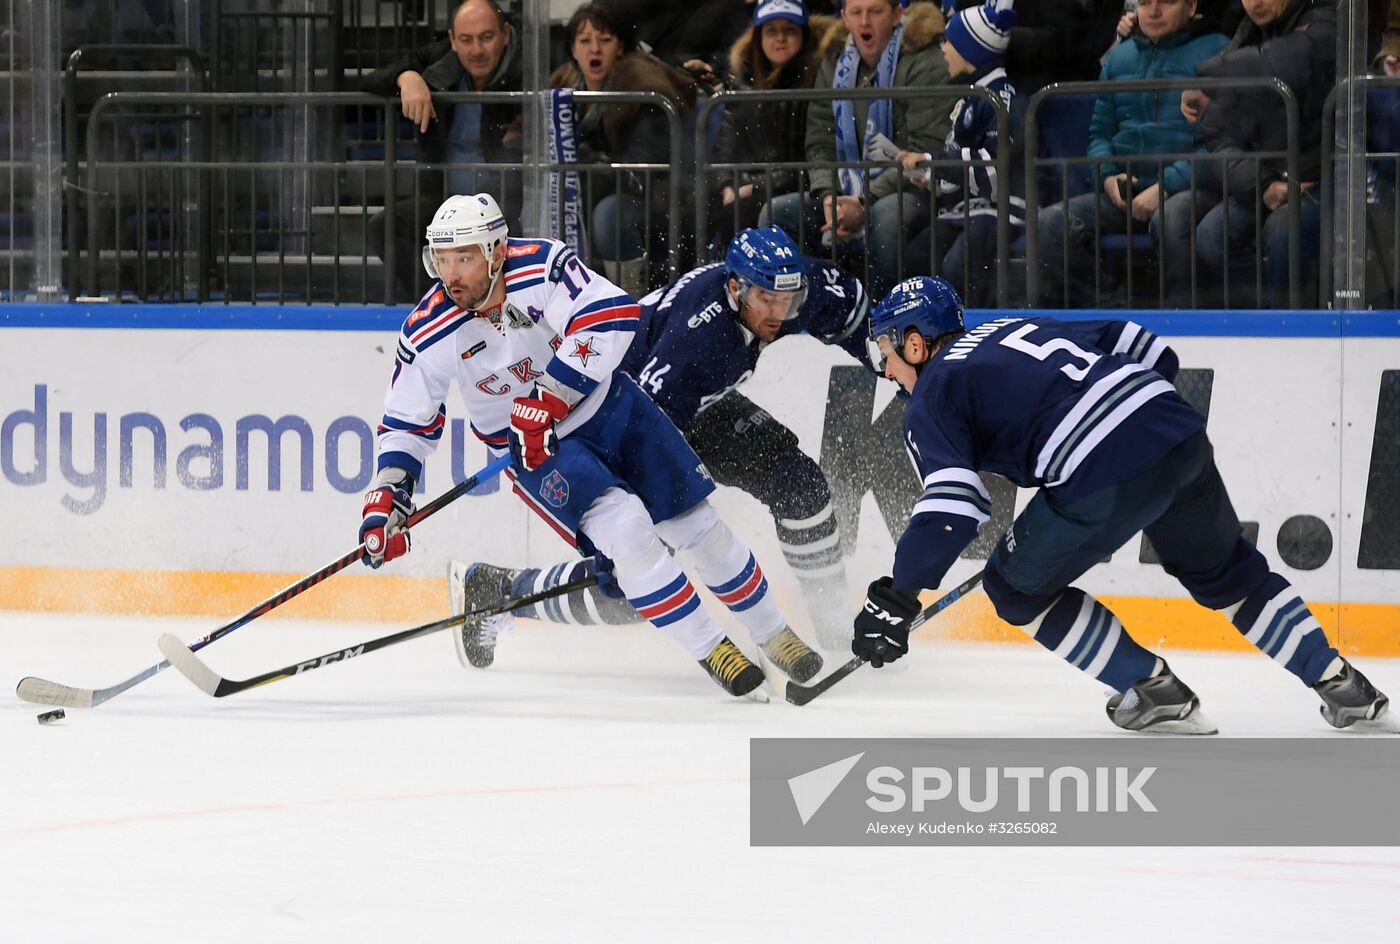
x,y
565,202
879,119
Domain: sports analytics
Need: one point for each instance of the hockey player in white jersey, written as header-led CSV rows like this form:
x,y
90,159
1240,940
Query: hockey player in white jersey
x,y
533,339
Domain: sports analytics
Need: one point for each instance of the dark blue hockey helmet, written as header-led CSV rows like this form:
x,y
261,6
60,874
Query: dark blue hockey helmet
x,y
767,258
928,304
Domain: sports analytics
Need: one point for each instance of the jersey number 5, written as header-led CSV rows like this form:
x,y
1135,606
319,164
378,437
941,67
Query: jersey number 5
x,y
1018,341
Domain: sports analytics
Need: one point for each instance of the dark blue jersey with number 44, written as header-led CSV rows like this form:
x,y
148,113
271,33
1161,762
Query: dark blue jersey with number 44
x,y
691,349
1069,406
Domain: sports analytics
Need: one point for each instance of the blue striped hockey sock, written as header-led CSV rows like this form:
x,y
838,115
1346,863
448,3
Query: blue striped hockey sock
x,y
588,607
1280,624
1086,634
666,597
746,594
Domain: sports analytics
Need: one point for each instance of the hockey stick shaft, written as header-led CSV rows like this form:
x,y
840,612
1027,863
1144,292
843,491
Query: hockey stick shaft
x,y
44,692
802,694
210,682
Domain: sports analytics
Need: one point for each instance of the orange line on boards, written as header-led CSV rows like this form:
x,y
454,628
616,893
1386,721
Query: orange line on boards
x,y
1360,629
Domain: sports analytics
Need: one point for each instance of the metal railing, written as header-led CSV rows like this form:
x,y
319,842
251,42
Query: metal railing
x,y
1377,207
259,212
1066,163
91,57
707,168
268,226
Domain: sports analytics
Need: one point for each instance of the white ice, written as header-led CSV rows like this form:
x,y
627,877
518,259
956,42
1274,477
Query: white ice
x,y
592,786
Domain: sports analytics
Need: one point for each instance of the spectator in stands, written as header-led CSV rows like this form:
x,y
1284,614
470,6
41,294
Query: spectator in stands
x,y
696,35
1055,40
1224,16
479,55
886,46
966,195
1387,61
1167,41
782,50
1382,196
1294,41
628,222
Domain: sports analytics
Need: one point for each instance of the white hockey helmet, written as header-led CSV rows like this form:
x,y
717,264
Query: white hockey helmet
x,y
470,219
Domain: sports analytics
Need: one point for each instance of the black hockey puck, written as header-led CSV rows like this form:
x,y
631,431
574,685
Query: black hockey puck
x,y
49,717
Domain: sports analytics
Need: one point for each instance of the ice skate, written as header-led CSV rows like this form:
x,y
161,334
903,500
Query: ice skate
x,y
732,670
789,653
477,587
1160,704
1350,701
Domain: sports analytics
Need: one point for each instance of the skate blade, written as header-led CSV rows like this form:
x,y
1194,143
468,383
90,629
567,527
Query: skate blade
x,y
1388,722
1194,724
758,695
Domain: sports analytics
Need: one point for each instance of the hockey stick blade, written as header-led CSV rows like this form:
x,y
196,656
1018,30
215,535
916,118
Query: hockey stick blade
x,y
802,694
43,692
211,683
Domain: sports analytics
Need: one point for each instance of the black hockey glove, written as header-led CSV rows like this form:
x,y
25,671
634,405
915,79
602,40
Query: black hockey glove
x,y
882,625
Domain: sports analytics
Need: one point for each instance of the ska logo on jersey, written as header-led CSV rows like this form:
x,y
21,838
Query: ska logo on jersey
x,y
555,489
517,318
524,371
583,350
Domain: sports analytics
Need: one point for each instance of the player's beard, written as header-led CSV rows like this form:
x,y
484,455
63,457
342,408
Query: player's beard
x,y
472,296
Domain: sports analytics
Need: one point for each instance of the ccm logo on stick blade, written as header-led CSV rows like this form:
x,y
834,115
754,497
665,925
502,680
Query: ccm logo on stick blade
x,y
327,660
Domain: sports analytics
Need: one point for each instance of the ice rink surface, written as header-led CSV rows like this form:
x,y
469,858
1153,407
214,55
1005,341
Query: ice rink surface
x,y
592,786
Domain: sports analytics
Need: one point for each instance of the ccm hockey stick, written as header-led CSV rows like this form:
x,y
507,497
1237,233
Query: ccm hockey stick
x,y
44,692
801,694
211,683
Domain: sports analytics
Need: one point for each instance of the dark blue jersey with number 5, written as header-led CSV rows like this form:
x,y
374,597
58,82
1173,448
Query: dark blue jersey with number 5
x,y
1068,406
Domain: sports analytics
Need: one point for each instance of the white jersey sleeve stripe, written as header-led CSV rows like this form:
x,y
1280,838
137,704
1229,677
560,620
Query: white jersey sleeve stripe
x,y
953,474
950,506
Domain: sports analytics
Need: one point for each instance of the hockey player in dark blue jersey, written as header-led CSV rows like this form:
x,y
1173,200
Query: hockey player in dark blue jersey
x,y
699,339
1085,412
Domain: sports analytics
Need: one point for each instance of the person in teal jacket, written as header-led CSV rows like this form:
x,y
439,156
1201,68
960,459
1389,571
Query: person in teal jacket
x,y
1167,41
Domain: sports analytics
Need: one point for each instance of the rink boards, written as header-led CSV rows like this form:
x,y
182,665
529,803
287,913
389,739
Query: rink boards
x,y
193,460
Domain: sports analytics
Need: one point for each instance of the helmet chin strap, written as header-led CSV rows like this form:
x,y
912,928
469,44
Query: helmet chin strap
x,y
495,276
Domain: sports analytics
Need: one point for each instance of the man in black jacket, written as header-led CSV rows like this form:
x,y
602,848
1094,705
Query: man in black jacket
x,y
480,54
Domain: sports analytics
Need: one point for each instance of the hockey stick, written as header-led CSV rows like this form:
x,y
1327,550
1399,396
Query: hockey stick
x,y
801,694
44,692
211,683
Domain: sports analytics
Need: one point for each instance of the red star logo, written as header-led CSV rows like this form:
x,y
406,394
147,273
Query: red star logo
x,y
583,350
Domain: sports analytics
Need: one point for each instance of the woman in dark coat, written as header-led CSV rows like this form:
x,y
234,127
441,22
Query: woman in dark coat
x,y
628,209
780,51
